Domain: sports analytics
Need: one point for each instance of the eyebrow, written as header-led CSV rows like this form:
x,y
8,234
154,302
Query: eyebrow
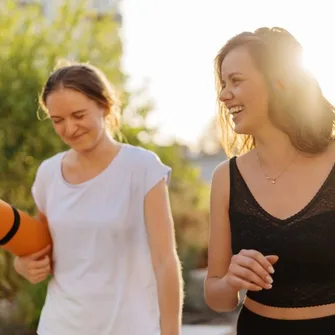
x,y
234,74
73,113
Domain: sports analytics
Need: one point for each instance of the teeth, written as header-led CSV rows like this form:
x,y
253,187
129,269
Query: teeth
x,y
235,109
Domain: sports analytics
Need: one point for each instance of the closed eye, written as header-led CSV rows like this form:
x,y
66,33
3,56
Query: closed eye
x,y
57,121
236,80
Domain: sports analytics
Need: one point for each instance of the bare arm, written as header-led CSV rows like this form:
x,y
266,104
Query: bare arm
x,y
218,294
227,273
164,258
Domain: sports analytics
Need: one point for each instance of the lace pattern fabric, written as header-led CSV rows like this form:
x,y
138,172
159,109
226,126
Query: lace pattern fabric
x,y
304,242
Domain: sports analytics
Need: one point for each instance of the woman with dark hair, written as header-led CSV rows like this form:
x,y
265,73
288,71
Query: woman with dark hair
x,y
272,226
115,269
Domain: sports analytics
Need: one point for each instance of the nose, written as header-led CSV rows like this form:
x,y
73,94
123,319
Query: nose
x,y
226,94
70,128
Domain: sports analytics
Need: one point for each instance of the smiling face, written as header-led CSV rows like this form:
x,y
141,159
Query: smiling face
x,y
78,120
244,92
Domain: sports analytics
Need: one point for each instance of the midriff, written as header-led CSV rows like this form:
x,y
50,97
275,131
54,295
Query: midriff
x,y
288,313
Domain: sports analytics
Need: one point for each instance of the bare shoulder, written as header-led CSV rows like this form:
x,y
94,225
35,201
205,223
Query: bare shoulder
x,y
220,185
221,172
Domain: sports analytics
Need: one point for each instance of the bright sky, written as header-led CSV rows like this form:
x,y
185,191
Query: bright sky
x,y
171,45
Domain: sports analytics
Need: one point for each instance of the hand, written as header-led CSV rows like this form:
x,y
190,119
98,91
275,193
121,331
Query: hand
x,y
35,267
250,270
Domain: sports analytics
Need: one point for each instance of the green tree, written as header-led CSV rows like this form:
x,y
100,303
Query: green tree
x,y
31,46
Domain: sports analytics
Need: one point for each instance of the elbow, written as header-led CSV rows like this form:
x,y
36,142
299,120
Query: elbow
x,y
168,264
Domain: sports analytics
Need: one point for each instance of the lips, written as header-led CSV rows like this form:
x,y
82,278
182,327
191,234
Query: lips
x,y
76,138
235,113
236,110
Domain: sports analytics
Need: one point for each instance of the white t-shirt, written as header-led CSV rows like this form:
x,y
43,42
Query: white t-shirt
x,y
103,281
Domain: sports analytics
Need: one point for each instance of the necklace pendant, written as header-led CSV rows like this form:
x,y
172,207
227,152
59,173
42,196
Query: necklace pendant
x,y
273,181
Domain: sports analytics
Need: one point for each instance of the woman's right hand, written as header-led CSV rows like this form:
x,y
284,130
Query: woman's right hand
x,y
250,270
35,267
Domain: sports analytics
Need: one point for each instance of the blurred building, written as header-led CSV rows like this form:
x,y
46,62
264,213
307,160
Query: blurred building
x,y
205,162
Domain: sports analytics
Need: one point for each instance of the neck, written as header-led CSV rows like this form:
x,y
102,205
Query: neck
x,y
275,149
102,151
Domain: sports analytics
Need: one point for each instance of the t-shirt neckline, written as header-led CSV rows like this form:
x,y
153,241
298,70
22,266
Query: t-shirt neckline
x,y
113,162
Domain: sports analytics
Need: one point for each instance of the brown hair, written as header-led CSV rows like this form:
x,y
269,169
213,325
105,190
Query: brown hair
x,y
298,108
88,80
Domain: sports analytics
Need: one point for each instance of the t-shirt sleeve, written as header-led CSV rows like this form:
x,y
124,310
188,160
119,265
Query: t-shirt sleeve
x,y
155,171
39,188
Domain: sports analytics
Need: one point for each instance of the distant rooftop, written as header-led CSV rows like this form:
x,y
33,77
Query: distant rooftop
x,y
206,163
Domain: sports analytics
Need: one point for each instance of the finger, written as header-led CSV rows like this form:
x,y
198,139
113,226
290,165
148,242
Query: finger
x,y
39,272
273,259
249,276
38,279
40,253
254,266
39,264
245,285
260,258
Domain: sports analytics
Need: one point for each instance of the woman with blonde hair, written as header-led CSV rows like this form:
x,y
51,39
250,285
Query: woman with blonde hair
x,y
272,226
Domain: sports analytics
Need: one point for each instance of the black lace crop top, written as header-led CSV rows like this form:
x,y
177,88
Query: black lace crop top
x,y
305,243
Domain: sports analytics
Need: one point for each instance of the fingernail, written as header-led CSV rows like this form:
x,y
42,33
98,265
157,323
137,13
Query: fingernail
x,y
269,279
271,269
269,286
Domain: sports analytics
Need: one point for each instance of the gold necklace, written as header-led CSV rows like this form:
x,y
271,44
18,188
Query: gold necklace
x,y
273,180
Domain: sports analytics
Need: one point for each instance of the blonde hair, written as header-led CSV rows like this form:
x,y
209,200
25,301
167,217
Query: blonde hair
x,y
299,109
90,81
